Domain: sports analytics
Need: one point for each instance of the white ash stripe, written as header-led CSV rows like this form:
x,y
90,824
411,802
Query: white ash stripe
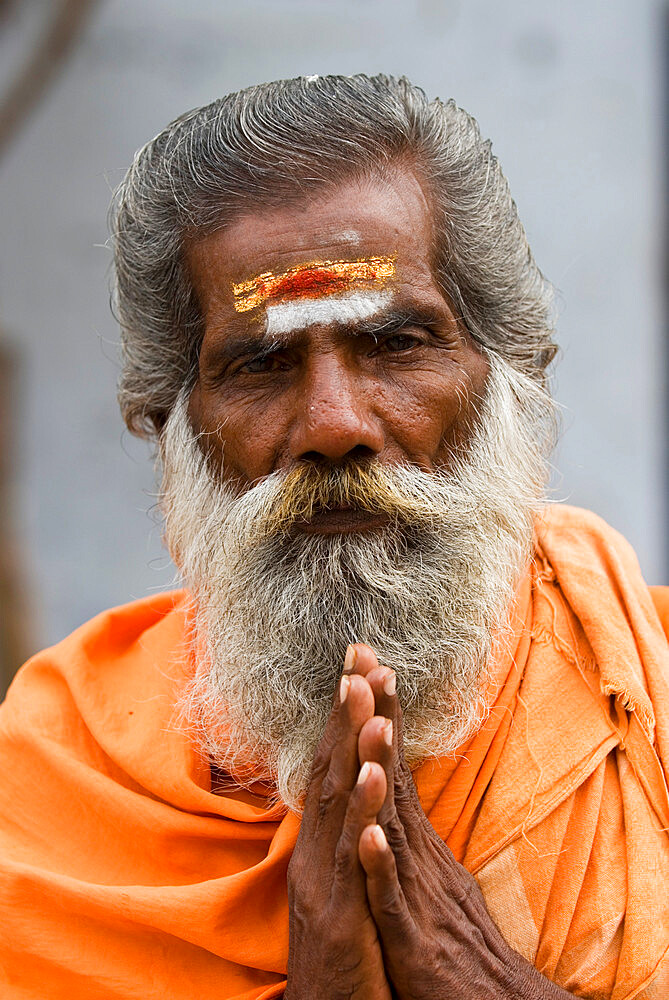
x,y
298,314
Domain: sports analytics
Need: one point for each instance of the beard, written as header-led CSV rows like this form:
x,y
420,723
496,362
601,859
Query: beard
x,y
275,608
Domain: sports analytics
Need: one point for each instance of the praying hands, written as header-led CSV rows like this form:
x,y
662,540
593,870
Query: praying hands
x,y
379,908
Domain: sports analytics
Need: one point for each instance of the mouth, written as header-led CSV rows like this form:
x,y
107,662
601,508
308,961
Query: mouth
x,y
342,520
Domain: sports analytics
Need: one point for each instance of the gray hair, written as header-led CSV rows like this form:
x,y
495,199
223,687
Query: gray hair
x,y
282,142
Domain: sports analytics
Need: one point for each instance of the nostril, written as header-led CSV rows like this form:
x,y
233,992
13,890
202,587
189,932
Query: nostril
x,y
360,453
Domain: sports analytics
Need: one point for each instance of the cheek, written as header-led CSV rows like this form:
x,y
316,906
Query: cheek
x,y
437,408
243,440
250,452
417,423
429,416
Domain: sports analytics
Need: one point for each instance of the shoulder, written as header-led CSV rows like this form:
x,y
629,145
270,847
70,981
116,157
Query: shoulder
x,y
581,536
116,629
114,632
598,571
617,629
121,649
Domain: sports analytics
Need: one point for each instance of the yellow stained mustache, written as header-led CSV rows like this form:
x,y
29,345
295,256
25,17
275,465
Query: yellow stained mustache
x,y
308,490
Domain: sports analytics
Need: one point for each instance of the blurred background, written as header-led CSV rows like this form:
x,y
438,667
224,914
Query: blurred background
x,y
573,96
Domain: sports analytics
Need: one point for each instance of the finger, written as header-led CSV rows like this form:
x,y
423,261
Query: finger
x,y
376,742
378,738
382,681
360,659
335,768
363,660
363,806
353,705
402,807
386,899
401,814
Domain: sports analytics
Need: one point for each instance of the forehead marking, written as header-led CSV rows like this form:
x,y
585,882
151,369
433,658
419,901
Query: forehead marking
x,y
298,314
319,278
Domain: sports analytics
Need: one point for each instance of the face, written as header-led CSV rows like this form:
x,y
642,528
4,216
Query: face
x,y
330,364
328,344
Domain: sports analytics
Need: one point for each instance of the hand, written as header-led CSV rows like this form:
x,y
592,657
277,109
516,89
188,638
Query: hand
x,y
334,947
437,937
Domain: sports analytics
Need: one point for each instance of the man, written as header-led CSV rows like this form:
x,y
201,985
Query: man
x,y
406,732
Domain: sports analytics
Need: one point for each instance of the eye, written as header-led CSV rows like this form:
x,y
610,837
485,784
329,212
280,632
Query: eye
x,y
400,342
259,366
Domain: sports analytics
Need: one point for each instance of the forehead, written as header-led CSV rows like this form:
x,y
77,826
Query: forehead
x,y
367,219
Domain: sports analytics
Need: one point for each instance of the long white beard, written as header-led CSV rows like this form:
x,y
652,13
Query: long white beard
x,y
274,613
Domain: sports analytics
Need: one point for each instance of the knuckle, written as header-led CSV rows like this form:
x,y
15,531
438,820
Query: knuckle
x,y
293,880
321,762
470,895
346,858
339,941
405,791
358,811
299,871
332,793
391,903
396,836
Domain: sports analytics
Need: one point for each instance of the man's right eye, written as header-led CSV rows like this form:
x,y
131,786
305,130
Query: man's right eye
x,y
260,365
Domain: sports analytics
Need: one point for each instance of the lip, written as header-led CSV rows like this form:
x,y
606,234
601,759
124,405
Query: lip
x,y
342,520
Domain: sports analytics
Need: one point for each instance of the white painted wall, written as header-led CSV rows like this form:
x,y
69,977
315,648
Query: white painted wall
x,y
569,93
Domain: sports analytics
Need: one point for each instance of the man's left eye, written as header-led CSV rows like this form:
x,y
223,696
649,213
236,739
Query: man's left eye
x,y
400,342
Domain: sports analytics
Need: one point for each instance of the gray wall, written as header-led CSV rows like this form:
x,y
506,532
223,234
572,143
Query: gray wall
x,y
570,95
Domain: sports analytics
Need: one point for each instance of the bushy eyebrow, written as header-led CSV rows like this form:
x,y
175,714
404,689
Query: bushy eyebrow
x,y
262,344
391,318
394,319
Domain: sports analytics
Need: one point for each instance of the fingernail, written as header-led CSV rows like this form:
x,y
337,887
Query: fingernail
x,y
364,773
379,838
350,658
388,732
344,685
390,683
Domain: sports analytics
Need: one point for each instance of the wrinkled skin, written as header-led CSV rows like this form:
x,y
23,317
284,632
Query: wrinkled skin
x,y
396,917
332,393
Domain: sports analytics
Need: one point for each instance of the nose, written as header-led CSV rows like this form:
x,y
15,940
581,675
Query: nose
x,y
334,418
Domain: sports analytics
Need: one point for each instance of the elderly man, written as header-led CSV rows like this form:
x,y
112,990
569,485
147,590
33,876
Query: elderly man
x,y
405,734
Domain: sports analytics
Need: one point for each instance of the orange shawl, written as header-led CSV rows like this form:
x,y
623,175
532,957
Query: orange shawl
x,y
123,876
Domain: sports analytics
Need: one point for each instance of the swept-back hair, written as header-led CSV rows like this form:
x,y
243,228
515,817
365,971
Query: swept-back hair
x,y
283,142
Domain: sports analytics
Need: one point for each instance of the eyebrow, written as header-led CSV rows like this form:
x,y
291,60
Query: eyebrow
x,y
261,344
395,318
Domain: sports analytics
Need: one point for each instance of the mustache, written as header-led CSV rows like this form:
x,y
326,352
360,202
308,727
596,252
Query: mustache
x,y
407,495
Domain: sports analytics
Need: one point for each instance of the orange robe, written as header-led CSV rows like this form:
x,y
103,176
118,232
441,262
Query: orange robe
x,y
123,876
